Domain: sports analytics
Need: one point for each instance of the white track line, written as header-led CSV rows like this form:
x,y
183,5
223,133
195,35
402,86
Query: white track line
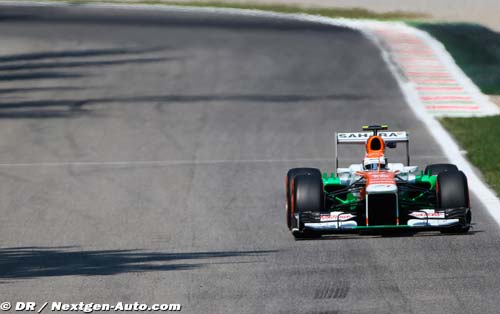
x,y
452,151
139,163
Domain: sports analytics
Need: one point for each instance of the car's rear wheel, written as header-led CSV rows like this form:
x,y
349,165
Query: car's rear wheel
x,y
289,177
453,192
307,195
436,169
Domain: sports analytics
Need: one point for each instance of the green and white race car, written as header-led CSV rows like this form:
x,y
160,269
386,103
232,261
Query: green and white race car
x,y
375,195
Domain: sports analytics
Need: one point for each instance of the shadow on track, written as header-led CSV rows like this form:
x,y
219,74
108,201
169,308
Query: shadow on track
x,y
75,64
48,60
38,76
72,108
25,90
34,262
56,65
37,56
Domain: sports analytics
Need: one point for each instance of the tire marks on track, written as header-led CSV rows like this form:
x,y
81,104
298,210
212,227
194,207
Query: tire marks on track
x,y
333,290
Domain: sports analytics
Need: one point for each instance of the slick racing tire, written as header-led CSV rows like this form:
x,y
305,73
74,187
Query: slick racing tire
x,y
436,169
289,177
453,192
307,194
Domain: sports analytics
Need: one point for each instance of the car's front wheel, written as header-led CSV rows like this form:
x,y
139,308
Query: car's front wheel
x,y
453,192
289,177
307,195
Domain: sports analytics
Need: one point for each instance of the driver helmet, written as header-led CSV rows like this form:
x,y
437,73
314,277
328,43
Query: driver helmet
x,y
374,163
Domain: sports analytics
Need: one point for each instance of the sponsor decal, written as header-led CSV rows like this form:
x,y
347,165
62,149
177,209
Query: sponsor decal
x,y
380,178
360,137
357,135
393,135
381,188
336,216
368,161
427,215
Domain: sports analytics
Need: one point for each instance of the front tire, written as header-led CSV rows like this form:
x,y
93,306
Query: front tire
x,y
289,177
453,192
307,195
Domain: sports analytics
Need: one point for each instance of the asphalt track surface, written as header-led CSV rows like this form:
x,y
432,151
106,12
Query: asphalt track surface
x,y
143,157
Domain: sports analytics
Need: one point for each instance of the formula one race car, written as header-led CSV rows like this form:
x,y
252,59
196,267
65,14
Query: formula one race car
x,y
377,196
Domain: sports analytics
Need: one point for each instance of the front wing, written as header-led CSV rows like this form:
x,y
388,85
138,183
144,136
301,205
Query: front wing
x,y
419,220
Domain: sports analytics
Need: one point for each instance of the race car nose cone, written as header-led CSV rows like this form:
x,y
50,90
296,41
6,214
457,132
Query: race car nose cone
x,y
381,188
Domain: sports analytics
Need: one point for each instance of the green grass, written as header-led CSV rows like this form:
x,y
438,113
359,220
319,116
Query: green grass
x,y
328,12
480,137
475,48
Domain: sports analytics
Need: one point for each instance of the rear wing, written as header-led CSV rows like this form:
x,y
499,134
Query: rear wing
x,y
391,138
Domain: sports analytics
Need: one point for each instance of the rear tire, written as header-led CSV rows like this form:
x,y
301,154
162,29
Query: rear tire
x,y
289,177
436,169
307,195
453,192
